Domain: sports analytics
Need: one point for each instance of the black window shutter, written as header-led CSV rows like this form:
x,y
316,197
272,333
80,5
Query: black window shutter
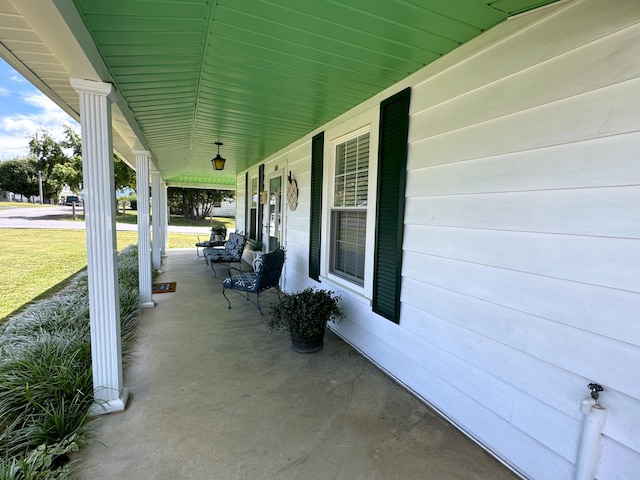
x,y
317,157
260,189
392,168
247,204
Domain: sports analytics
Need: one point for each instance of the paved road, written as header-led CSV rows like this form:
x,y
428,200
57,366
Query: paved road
x,y
60,217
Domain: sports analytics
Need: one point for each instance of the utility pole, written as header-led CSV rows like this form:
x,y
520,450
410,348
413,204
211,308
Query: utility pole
x,y
40,184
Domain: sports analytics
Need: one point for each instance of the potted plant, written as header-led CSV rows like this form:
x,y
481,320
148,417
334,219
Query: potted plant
x,y
220,232
255,245
252,251
304,315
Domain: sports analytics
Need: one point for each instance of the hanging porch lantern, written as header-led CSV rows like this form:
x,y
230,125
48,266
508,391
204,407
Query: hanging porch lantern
x,y
218,162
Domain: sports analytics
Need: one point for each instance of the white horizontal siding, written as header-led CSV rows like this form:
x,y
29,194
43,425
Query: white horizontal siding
x,y
618,462
522,225
520,271
593,260
240,204
568,74
580,305
499,323
558,431
605,112
592,356
611,211
599,162
551,384
623,421
526,42
296,236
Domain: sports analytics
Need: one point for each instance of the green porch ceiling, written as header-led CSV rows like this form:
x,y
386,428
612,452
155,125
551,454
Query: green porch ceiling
x,y
259,74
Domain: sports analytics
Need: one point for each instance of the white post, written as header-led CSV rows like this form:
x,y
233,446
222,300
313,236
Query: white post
x,y
156,223
104,301
164,227
144,238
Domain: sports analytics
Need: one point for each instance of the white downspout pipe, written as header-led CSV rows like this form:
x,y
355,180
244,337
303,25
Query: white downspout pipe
x,y
595,416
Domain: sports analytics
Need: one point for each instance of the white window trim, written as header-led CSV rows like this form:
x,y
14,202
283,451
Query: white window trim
x,y
250,186
253,175
367,122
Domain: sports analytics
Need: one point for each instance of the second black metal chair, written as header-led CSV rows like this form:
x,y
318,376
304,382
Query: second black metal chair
x,y
268,269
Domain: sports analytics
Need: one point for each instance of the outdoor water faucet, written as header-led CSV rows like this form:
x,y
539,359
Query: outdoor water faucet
x,y
595,391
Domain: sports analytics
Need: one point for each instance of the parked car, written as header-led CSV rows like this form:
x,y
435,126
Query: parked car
x,y
71,199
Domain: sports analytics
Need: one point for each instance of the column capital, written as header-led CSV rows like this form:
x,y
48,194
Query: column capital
x,y
81,85
141,153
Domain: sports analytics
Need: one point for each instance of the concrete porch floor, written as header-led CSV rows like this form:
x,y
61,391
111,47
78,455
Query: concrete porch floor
x,y
214,395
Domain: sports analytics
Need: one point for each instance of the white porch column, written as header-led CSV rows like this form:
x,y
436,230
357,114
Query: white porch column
x,y
165,219
104,301
156,222
144,236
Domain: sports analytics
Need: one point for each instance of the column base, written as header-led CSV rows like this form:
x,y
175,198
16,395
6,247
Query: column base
x,y
115,405
150,304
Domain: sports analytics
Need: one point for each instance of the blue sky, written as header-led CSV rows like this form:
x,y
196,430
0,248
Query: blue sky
x,y
23,111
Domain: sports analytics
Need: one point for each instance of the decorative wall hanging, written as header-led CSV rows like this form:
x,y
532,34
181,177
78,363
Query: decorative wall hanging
x,y
292,193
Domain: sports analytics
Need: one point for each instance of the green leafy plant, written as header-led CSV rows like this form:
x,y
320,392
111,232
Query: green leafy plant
x,y
219,229
46,384
304,314
44,462
255,245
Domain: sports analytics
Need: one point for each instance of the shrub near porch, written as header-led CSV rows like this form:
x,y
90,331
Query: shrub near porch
x,y
46,385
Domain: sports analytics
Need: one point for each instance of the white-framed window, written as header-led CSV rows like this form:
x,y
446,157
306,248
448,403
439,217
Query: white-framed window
x,y
354,214
348,212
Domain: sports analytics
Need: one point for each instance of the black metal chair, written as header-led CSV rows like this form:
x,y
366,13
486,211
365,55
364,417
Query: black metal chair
x,y
231,252
267,275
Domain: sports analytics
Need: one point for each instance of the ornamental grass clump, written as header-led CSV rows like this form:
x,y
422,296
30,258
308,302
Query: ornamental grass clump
x,y
46,385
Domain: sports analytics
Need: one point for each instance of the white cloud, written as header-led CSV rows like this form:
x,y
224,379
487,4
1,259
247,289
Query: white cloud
x,y
12,146
17,78
17,128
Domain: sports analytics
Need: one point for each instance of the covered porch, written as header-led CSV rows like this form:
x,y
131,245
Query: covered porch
x,y
213,394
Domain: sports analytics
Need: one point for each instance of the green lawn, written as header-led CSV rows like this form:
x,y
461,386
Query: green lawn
x,y
35,261
131,217
22,205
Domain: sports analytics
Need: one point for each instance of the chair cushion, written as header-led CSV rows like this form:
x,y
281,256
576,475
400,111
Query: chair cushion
x,y
232,251
244,281
216,255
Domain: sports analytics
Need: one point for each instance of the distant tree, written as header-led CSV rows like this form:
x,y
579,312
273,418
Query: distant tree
x,y
124,175
71,170
50,160
195,203
61,163
20,177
